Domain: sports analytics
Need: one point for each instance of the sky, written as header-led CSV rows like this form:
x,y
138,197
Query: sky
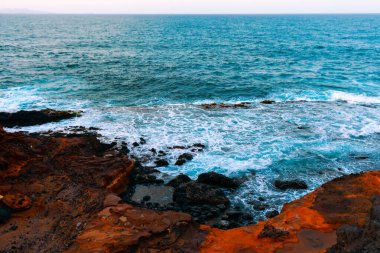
x,y
195,6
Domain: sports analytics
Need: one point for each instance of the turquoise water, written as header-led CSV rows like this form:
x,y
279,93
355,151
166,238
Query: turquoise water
x,y
145,76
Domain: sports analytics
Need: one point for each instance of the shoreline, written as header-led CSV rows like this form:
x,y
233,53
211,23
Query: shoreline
x,y
73,189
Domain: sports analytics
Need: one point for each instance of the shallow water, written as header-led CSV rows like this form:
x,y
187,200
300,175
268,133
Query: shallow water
x,y
145,76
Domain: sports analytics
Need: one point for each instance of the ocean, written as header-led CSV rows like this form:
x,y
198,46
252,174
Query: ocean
x,y
146,76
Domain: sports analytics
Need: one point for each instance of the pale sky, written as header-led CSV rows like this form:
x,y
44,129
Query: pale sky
x,y
195,6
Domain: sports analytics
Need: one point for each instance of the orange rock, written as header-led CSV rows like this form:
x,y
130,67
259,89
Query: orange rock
x,y
17,201
310,222
122,228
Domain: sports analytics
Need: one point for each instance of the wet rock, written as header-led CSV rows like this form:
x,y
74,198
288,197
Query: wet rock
x,y
198,193
182,159
138,230
271,232
153,150
199,145
161,163
178,180
5,214
242,105
267,102
161,153
271,214
361,157
290,184
142,141
135,144
31,118
17,201
177,147
213,178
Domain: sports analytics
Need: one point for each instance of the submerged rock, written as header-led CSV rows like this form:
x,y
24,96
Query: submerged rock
x,y
213,178
290,184
31,118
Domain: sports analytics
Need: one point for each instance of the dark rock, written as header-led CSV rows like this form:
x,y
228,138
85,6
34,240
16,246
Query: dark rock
x,y
199,145
178,180
267,102
271,214
198,193
161,153
234,214
135,144
142,141
153,150
272,232
124,150
5,214
290,184
161,163
177,147
213,178
361,157
31,118
146,198
182,159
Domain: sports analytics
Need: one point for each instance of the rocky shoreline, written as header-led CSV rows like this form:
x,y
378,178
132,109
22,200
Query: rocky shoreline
x,y
86,196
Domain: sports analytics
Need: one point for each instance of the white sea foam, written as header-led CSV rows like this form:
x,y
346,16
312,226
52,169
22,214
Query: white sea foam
x,y
354,98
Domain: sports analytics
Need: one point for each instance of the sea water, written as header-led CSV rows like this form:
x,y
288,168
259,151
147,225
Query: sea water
x,y
146,76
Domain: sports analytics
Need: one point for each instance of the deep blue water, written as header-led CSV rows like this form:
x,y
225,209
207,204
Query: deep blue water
x,y
145,76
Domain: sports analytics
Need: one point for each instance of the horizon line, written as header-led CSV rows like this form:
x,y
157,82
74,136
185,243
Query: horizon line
x,y
238,13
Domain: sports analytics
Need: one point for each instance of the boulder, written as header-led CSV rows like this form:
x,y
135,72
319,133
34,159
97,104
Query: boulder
x,y
182,159
178,180
213,178
161,163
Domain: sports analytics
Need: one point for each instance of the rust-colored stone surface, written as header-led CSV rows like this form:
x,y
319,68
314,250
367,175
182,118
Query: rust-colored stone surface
x,y
123,228
63,195
308,224
53,186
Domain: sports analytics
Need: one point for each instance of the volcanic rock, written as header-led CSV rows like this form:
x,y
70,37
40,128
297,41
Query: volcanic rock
x,y
30,118
161,163
197,193
182,159
213,178
178,180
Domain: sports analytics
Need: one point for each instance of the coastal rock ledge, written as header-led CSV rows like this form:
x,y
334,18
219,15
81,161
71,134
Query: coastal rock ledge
x,y
70,187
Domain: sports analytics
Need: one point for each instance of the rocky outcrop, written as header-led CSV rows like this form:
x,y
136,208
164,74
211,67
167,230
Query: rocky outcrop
x,y
62,194
340,216
52,186
124,228
30,118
